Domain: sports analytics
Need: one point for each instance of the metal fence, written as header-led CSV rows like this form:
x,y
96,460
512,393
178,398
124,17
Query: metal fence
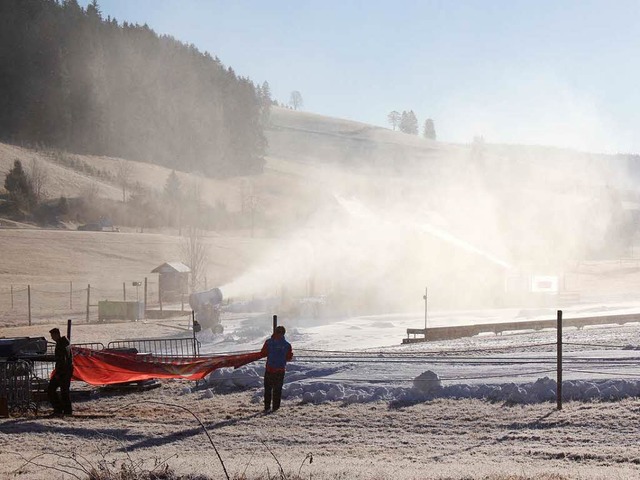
x,y
16,385
162,347
23,383
42,369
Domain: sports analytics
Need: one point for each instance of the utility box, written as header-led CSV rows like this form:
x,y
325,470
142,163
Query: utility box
x,y
108,310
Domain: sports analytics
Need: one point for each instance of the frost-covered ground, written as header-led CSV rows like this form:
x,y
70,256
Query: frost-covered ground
x,y
364,405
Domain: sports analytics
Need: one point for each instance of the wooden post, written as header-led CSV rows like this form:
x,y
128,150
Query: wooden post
x,y
69,329
124,291
29,302
275,323
11,297
70,295
145,294
559,362
88,300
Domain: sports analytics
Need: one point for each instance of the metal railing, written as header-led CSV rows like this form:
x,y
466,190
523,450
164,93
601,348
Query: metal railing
x,y
42,368
162,347
15,385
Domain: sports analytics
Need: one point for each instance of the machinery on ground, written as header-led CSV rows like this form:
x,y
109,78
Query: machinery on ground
x,y
207,307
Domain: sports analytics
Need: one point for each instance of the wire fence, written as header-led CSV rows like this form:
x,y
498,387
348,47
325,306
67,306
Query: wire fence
x,y
26,304
588,359
372,368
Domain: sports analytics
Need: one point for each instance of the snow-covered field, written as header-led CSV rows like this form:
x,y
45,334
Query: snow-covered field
x,y
361,359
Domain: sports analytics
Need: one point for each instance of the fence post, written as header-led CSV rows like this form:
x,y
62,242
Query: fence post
x,y
69,329
124,291
88,300
145,295
559,362
11,297
71,295
29,301
425,312
275,323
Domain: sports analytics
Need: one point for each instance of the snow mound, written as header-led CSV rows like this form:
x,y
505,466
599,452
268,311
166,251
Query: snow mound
x,y
306,385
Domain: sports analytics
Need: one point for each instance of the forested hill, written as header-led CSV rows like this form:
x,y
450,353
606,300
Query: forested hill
x,y
73,80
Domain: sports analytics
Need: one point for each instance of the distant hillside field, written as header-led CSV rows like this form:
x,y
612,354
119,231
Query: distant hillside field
x,y
362,213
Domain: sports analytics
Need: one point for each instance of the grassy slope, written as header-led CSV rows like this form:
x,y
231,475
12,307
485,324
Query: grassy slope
x,y
305,152
310,158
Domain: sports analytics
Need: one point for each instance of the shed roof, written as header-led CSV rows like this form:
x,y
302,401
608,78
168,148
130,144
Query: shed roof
x,y
171,267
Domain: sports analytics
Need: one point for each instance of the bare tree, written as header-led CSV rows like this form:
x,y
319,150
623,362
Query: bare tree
x,y
195,253
38,179
251,203
394,119
191,208
123,177
296,100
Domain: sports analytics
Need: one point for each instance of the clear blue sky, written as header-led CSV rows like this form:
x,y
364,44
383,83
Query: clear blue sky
x,y
538,72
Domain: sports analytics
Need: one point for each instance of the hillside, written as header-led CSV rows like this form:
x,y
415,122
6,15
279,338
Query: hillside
x,y
365,214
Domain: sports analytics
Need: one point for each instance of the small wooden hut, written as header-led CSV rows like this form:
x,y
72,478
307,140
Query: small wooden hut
x,y
173,281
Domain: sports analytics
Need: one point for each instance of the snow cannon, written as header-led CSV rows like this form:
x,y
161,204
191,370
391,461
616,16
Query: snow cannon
x,y
206,306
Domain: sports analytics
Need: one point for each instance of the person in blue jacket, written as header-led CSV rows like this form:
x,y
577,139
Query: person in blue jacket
x,y
278,352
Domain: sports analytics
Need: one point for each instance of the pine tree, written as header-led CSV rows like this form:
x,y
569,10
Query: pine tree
x,y
172,188
19,187
266,93
265,102
429,129
63,206
173,196
409,123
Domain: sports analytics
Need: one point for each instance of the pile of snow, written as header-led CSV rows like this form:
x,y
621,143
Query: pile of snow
x,y
305,384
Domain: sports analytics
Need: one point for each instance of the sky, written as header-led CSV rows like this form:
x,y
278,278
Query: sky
x,y
544,72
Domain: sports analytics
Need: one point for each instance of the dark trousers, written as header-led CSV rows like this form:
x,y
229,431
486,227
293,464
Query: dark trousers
x,y
60,403
273,387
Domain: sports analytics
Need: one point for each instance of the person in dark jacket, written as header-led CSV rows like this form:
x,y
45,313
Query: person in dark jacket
x,y
278,352
61,376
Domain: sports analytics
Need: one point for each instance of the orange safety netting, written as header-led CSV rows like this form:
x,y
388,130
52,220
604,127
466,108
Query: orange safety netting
x,y
99,367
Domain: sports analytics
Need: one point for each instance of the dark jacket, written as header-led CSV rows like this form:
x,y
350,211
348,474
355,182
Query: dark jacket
x,y
64,358
278,352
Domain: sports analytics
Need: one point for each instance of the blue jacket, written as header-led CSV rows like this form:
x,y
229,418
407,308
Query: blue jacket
x,y
278,352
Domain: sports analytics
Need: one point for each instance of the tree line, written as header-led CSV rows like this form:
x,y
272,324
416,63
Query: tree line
x,y
407,122
73,80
